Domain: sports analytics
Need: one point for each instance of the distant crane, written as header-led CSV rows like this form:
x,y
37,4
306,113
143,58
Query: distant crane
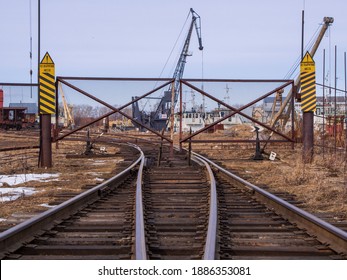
x,y
227,96
68,118
327,21
158,119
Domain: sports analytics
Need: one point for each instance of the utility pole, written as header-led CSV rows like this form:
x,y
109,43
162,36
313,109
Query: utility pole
x,y
308,104
46,100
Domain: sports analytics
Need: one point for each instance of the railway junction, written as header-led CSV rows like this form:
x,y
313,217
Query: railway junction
x,y
192,207
186,179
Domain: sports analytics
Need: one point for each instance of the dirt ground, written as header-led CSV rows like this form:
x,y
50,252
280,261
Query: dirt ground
x,y
74,174
321,186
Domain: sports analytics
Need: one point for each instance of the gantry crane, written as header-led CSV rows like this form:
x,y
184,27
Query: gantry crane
x,y
158,119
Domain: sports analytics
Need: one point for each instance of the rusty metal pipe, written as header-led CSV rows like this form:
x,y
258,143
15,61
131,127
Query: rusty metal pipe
x,y
113,79
237,111
46,143
235,141
114,110
181,115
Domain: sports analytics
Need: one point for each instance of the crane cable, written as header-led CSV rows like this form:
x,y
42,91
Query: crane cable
x,y
174,46
167,60
179,54
298,60
31,50
202,80
202,68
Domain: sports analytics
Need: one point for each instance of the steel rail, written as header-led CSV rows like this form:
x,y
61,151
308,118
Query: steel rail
x,y
211,237
336,238
14,237
140,239
19,148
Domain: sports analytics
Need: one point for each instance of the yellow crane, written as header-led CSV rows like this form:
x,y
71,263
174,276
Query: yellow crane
x,y
327,21
68,117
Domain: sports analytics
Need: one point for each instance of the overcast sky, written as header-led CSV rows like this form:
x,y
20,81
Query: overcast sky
x,y
133,38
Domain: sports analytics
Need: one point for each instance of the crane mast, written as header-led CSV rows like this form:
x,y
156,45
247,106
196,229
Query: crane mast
x,y
68,118
196,21
158,119
327,21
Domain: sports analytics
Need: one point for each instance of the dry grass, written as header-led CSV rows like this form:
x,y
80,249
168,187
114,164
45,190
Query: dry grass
x,y
74,173
321,185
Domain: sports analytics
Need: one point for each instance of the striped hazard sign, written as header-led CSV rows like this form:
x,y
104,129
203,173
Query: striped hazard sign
x,y
47,85
308,84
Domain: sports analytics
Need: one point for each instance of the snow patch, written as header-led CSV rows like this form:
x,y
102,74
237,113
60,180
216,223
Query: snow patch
x,y
47,205
10,194
17,179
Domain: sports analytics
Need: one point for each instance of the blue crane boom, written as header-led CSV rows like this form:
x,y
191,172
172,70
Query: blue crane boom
x,y
158,119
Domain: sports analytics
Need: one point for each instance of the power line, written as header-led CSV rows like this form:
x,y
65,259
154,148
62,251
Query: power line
x,y
31,49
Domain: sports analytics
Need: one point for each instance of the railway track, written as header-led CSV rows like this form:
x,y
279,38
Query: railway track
x,y
250,230
105,222
174,211
96,224
254,224
101,230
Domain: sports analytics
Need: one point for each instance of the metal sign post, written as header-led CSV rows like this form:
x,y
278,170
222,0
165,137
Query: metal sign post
x,y
308,104
46,108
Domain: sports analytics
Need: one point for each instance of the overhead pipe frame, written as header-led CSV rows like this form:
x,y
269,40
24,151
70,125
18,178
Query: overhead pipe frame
x,y
113,109
235,110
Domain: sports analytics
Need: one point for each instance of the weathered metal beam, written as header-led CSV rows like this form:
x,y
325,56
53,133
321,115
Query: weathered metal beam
x,y
236,141
237,110
18,84
114,110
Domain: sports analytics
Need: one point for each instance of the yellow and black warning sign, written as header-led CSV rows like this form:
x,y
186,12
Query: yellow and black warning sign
x,y
308,84
47,85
